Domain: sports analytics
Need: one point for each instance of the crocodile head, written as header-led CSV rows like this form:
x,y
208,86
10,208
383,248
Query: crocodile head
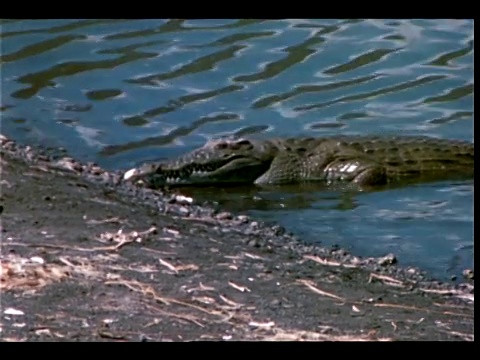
x,y
231,160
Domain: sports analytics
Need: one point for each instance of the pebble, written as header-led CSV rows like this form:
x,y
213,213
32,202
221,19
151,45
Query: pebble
x,y
96,170
387,260
224,216
243,219
468,274
184,211
278,230
253,243
180,199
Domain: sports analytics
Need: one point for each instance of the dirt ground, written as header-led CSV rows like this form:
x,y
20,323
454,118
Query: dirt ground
x,y
85,260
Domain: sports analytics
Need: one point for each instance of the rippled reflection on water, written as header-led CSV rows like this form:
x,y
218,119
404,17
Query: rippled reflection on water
x,y
120,92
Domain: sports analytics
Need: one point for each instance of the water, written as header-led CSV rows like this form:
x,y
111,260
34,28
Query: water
x,y
121,92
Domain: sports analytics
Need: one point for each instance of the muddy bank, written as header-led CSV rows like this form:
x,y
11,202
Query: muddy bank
x,y
85,258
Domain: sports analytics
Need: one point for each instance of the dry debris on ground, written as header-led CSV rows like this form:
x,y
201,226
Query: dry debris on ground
x,y
83,262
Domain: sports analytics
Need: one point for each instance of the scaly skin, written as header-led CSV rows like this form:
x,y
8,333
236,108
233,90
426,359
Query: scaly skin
x,y
364,160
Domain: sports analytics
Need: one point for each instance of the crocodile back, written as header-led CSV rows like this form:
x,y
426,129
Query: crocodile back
x,y
412,154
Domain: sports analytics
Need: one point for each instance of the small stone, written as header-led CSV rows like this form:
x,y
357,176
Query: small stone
x,y
130,173
68,163
387,260
339,252
355,260
43,157
183,199
275,303
224,216
278,230
37,259
468,274
96,170
12,311
253,243
184,211
243,219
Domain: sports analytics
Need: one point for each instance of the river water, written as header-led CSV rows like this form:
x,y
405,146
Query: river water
x,y
121,92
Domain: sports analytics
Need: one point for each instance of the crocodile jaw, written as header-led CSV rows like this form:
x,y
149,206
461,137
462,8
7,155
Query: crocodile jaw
x,y
237,170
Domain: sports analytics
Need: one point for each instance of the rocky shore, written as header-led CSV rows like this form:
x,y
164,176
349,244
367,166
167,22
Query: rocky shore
x,y
86,257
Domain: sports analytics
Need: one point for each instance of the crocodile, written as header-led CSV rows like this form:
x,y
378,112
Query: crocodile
x,y
363,160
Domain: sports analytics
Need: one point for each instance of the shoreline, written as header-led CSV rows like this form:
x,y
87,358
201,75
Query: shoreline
x,y
77,241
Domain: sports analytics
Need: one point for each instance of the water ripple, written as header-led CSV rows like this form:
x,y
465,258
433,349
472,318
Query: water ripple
x,y
380,92
231,39
40,47
69,26
445,59
176,104
452,94
296,54
359,61
204,63
304,89
171,136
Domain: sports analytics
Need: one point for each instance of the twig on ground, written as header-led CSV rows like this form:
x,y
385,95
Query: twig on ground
x,y
300,335
230,302
148,290
201,287
386,280
407,307
168,265
124,239
238,287
179,316
316,290
115,220
177,269
327,262
457,293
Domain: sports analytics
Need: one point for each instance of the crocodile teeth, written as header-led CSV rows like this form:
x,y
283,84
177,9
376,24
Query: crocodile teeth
x,y
199,172
173,180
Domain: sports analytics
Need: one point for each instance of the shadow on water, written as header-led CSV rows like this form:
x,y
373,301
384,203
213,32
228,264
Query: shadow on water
x,y
266,198
121,92
244,198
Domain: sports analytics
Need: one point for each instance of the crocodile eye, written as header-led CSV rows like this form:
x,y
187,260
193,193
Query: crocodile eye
x,y
242,144
221,146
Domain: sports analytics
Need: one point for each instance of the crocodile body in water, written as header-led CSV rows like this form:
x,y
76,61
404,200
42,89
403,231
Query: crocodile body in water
x,y
363,160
